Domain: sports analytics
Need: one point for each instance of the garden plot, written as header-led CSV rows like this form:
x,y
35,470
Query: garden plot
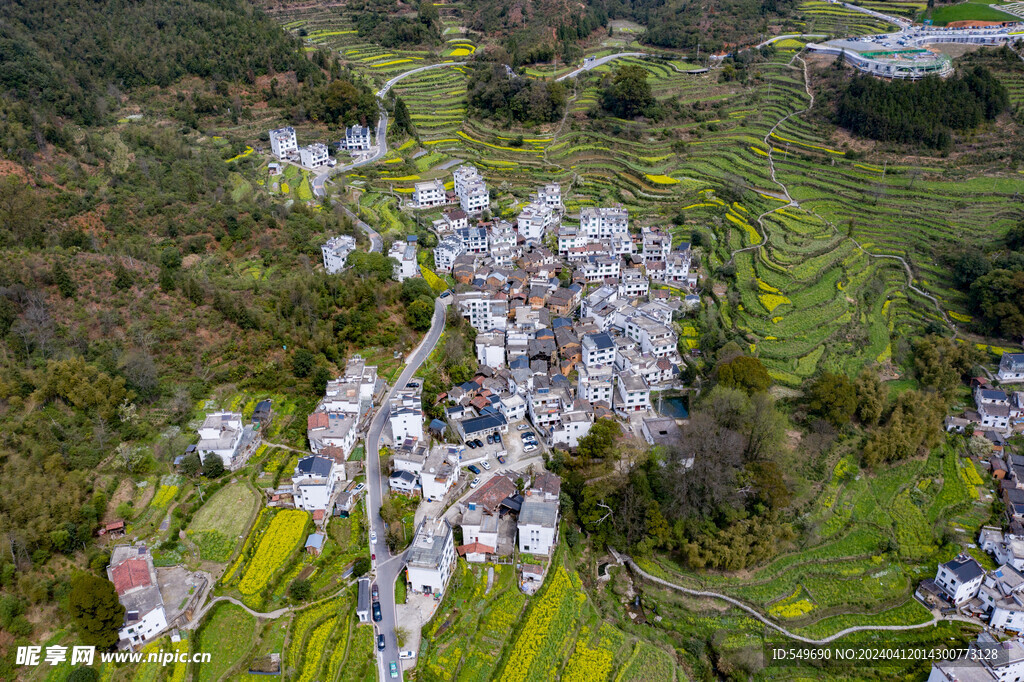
x,y
221,522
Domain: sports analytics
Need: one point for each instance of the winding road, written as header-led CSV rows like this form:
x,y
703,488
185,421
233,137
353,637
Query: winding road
x,y
389,566
628,561
594,63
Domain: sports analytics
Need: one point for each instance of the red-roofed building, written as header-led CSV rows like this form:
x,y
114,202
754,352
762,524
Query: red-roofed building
x,y
475,552
130,574
317,420
490,495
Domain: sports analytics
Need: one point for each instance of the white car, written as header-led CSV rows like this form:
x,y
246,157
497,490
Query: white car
x,y
522,427
486,465
475,483
373,537
360,487
530,448
406,655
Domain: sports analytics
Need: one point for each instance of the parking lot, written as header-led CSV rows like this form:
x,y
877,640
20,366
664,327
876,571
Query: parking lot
x,y
512,447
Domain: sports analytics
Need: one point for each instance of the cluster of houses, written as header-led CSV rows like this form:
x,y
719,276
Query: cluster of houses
x,y
997,412
284,145
988,660
490,520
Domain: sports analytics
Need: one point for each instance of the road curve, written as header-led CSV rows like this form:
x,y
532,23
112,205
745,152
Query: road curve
x,y
388,566
622,558
587,66
382,130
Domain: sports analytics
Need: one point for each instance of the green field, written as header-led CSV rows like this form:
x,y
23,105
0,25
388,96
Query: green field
x,y
220,524
966,11
228,632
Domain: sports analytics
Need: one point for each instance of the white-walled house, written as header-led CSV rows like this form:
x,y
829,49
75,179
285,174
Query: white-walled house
x,y
406,413
534,220
604,223
431,557
331,429
357,138
446,251
551,196
572,425
283,142
490,348
221,436
315,481
471,189
632,394
538,524
404,253
960,578
993,661
429,193
314,155
598,349
594,383
133,574
336,252
440,471
1011,368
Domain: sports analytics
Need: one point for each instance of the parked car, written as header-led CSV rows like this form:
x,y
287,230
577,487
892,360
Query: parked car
x,y
490,440
373,537
373,557
380,643
375,592
479,443
529,436
475,483
394,670
360,487
522,427
474,468
377,617
406,655
486,465
497,439
501,459
530,448
471,444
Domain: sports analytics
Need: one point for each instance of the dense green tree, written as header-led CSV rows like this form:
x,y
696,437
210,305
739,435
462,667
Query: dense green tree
x,y
94,608
871,397
416,287
941,364
628,94
403,121
318,380
300,589
998,297
833,398
192,465
492,93
361,567
65,285
302,362
419,314
428,12
968,266
123,278
744,372
213,467
599,443
371,265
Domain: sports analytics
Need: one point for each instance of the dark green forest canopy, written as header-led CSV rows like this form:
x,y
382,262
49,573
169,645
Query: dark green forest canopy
x,y
67,57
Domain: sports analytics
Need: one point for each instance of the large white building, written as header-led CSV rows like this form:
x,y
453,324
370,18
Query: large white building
x,y
314,482
538,524
490,348
134,576
471,189
551,196
357,138
632,394
314,155
594,383
429,193
431,557
440,471
604,223
406,413
221,435
404,253
473,238
598,349
960,578
336,252
483,310
534,219
446,251
283,142
654,337
572,425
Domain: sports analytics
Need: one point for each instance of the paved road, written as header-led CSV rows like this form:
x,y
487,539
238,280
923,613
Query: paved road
x,y
587,66
376,243
388,566
382,131
791,35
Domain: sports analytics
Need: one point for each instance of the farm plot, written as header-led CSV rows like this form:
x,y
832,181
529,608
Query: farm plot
x,y
220,524
270,548
230,632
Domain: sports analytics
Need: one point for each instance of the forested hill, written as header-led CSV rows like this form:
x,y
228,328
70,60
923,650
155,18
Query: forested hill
x,y
69,57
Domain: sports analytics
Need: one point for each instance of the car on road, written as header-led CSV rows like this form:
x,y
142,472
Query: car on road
x,y
475,483
375,592
471,444
501,459
486,465
373,557
474,468
373,537
394,670
381,646
377,617
522,427
406,655
530,448
359,487
445,294
490,440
